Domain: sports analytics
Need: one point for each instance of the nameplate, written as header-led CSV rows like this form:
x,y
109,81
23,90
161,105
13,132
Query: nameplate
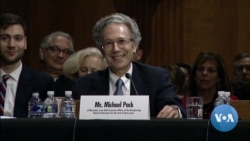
x,y
114,107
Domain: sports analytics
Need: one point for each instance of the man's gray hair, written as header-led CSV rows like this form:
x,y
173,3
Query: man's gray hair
x,y
119,19
47,39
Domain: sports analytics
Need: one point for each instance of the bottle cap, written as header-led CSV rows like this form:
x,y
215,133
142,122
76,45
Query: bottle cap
x,y
220,93
68,93
35,94
50,93
227,94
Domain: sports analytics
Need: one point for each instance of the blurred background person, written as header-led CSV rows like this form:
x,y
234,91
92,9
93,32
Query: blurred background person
x,y
17,82
208,76
84,62
55,49
138,54
186,69
177,77
241,80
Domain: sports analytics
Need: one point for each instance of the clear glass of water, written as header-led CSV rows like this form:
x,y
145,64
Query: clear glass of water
x,y
194,107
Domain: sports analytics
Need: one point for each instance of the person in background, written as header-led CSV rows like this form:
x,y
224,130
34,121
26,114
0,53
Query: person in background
x,y
177,77
118,35
186,69
55,49
18,82
138,54
209,76
84,62
241,80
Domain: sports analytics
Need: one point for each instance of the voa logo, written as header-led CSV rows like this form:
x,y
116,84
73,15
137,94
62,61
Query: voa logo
x,y
224,118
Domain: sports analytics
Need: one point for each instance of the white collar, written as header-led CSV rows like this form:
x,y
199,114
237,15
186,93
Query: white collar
x,y
14,74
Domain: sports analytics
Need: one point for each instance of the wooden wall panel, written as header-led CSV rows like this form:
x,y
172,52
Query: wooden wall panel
x,y
210,25
166,34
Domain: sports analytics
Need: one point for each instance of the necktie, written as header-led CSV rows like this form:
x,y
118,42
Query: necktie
x,y
119,83
3,86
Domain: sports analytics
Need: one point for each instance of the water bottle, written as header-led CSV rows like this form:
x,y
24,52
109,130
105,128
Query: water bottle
x,y
50,106
223,98
228,99
68,106
35,106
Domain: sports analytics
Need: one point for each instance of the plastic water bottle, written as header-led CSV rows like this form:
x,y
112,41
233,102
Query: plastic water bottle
x,y
35,106
223,98
68,106
228,99
50,106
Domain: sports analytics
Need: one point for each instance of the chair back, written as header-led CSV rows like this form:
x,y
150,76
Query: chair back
x,y
242,107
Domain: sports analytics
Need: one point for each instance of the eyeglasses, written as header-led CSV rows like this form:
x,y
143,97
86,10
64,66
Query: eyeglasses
x,y
121,42
55,49
242,67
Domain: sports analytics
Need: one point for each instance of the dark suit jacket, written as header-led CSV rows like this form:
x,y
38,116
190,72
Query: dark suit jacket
x,y
148,80
61,85
30,81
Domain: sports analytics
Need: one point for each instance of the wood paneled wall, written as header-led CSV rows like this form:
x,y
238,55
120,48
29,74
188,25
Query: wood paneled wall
x,y
172,30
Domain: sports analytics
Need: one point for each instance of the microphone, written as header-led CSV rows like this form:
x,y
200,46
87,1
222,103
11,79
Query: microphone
x,y
128,75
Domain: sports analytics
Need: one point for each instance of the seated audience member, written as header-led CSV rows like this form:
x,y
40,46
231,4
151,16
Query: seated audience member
x,y
209,76
84,62
177,77
119,36
186,69
55,49
17,82
241,80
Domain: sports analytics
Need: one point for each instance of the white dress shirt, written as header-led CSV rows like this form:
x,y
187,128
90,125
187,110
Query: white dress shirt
x,y
113,78
11,88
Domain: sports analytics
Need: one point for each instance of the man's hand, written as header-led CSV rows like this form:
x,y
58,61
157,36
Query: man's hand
x,y
169,112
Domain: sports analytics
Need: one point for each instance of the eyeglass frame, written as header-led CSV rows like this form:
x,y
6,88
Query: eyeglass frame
x,y
240,68
57,50
120,42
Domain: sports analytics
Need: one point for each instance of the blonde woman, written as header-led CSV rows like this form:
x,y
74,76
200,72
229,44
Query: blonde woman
x,y
84,62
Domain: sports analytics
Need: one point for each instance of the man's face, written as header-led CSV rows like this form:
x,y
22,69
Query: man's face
x,y
56,53
118,47
242,69
12,44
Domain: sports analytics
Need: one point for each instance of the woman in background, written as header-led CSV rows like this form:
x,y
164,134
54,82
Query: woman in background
x,y
209,76
84,62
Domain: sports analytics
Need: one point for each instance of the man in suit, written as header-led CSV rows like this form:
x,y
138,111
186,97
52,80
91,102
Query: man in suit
x,y
118,35
55,49
22,81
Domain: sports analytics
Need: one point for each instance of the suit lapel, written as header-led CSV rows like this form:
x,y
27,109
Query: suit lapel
x,y
23,89
139,81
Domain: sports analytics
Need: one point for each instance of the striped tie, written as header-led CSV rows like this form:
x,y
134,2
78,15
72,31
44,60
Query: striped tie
x,y
119,83
3,86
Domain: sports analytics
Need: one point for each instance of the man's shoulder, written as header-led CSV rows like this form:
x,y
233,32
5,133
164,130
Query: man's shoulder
x,y
147,68
28,72
95,76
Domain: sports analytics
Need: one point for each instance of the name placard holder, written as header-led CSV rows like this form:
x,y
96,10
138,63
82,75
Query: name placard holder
x,y
114,107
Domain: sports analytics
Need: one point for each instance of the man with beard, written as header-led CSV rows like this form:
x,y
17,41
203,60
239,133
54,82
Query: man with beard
x,y
18,82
